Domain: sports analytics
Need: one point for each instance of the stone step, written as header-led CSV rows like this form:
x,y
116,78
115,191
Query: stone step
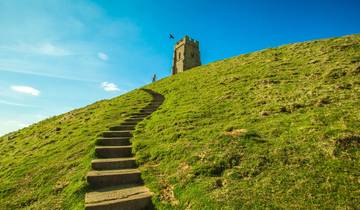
x,y
152,107
113,151
134,120
140,116
113,163
129,123
99,179
123,127
120,197
158,103
144,115
147,110
113,141
123,133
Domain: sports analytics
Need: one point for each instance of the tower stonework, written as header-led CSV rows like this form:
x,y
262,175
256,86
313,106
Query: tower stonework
x,y
186,55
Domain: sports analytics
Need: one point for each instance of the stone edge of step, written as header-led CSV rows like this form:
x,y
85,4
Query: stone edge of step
x,y
117,172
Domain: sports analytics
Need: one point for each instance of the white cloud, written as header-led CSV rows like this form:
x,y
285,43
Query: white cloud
x,y
40,48
103,56
110,87
50,49
25,90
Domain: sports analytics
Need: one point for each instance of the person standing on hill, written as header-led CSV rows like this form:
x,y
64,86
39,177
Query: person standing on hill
x,y
154,78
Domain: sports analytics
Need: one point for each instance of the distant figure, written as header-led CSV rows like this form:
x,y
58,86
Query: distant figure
x,y
171,36
154,78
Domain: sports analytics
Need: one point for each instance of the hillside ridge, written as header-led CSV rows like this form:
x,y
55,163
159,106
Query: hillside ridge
x,y
277,128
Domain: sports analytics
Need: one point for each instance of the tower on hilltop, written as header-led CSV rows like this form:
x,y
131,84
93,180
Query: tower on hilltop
x,y
186,55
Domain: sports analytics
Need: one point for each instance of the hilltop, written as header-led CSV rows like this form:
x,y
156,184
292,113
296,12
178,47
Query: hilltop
x,y
277,128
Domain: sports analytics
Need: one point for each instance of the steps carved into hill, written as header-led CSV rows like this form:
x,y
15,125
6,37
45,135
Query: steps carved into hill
x,y
114,141
115,181
98,179
119,197
113,163
121,133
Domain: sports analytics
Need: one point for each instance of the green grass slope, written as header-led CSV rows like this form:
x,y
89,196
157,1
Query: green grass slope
x,y
44,166
278,129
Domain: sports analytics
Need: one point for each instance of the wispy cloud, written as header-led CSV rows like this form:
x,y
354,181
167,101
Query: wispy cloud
x,y
103,56
16,104
64,40
46,48
26,90
29,72
56,39
50,49
110,87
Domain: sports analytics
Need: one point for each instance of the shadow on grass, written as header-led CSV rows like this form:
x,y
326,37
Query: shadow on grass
x,y
252,136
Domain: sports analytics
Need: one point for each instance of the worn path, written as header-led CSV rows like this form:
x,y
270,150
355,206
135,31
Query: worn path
x,y
115,181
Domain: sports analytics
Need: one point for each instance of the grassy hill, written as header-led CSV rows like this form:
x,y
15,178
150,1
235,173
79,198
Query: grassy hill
x,y
44,166
278,128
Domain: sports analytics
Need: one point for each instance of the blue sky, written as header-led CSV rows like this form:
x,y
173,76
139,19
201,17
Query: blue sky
x,y
59,55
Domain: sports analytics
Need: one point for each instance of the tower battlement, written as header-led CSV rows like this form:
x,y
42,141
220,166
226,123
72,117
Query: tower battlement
x,y
186,55
187,40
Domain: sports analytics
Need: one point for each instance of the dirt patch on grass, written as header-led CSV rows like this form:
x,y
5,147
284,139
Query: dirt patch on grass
x,y
167,194
236,133
348,144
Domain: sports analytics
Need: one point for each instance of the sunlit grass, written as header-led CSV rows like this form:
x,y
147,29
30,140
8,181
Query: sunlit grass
x,y
44,166
278,128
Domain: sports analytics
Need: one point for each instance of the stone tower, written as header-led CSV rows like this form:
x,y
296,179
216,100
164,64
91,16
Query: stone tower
x,y
186,55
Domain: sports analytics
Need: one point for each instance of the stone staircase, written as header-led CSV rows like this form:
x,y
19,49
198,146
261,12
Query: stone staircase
x,y
115,181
